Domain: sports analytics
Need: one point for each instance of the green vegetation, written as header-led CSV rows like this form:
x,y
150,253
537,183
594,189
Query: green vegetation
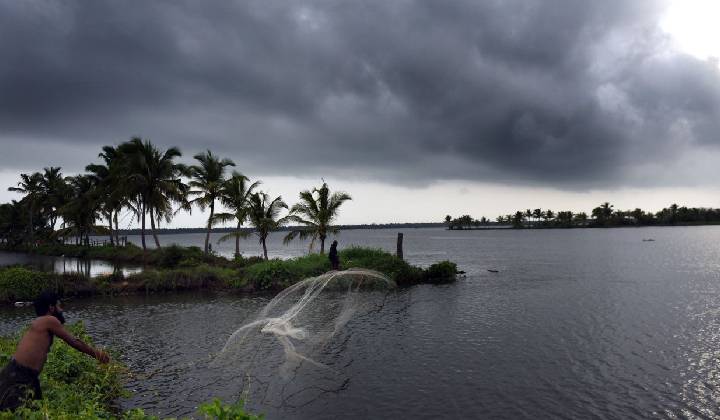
x,y
278,274
75,386
179,269
603,215
18,283
442,272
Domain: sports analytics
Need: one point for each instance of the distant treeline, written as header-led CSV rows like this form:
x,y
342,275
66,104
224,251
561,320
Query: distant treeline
x,y
602,216
174,231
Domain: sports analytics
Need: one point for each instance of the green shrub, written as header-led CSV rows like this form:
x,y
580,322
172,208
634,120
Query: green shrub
x,y
187,278
442,272
170,256
219,411
20,283
376,259
277,273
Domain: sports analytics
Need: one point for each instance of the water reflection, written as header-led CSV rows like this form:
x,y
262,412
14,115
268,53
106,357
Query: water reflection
x,y
66,265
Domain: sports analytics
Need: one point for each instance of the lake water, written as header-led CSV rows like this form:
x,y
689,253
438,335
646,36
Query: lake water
x,y
63,265
584,323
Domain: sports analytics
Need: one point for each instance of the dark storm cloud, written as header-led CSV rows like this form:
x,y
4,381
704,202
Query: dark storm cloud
x,y
560,92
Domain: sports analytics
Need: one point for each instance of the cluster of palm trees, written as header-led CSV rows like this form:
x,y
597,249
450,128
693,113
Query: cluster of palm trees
x,y
605,215
149,183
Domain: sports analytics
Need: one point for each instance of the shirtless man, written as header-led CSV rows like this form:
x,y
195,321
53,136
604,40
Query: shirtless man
x,y
20,376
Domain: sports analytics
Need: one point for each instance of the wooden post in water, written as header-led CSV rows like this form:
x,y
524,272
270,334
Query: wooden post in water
x,y
399,246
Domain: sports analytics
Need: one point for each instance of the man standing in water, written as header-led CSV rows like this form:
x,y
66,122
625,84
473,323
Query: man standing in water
x,y
21,376
333,256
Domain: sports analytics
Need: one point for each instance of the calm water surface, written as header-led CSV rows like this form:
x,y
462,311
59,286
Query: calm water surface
x,y
576,324
65,265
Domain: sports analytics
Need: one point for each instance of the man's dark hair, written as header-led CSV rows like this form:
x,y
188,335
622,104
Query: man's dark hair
x,y
44,301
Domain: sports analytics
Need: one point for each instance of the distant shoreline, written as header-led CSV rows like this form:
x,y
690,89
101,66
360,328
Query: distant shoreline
x,y
493,226
589,226
177,231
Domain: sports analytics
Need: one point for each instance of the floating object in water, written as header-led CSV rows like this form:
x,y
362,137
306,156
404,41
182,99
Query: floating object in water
x,y
21,304
649,240
493,271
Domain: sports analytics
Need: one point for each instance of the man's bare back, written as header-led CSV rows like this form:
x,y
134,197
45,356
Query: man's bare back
x,y
33,348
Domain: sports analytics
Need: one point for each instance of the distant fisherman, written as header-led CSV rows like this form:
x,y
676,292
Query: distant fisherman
x,y
20,378
333,256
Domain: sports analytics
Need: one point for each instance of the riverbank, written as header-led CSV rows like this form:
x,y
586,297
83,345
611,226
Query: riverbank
x,y
179,269
75,386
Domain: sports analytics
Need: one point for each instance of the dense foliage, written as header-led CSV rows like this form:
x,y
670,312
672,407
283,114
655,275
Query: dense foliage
x,y
602,216
19,283
277,274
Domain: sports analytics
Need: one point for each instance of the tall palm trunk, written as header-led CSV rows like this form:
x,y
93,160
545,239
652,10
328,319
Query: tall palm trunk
x,y
117,228
154,232
32,228
209,225
237,241
264,248
322,244
142,228
112,238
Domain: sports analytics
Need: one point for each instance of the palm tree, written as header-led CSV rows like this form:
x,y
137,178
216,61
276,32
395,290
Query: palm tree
x,y
111,180
537,214
315,212
55,192
208,180
12,223
263,216
82,209
235,196
31,186
602,214
581,218
155,181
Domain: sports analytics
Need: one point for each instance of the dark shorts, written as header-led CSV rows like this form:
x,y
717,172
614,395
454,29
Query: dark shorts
x,y
17,383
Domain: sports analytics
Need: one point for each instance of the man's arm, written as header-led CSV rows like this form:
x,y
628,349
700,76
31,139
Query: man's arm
x,y
58,330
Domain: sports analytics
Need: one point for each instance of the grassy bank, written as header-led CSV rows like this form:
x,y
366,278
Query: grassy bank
x,y
165,257
75,386
180,269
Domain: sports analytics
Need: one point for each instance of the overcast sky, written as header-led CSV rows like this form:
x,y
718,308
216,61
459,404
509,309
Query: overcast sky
x,y
416,108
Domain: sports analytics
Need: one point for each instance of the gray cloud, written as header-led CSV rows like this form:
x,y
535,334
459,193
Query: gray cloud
x,y
556,92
